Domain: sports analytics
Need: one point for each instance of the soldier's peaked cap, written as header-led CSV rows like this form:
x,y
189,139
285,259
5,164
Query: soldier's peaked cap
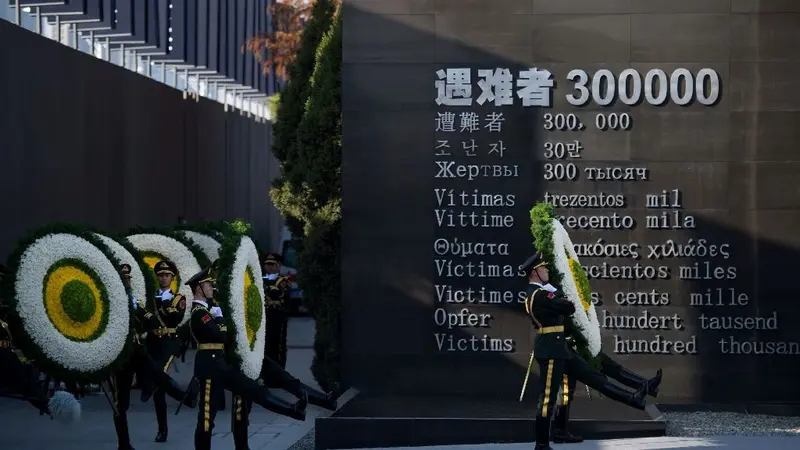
x,y
125,267
165,266
273,257
204,275
533,262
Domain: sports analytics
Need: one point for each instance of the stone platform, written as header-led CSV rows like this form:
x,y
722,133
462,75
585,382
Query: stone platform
x,y
410,422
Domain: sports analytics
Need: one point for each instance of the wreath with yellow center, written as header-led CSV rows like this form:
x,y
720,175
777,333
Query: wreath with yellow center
x,y
69,308
566,273
156,245
241,297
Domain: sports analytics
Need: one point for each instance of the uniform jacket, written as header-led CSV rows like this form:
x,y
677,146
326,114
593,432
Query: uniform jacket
x,y
547,311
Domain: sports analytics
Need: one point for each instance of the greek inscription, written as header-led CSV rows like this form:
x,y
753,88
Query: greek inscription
x,y
691,249
454,247
602,249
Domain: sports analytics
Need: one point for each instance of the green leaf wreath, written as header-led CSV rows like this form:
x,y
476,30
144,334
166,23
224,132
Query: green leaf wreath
x,y
542,215
86,300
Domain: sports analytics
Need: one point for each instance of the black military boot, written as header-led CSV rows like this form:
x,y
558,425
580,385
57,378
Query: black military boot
x,y
543,433
329,401
633,380
636,399
161,418
123,438
560,435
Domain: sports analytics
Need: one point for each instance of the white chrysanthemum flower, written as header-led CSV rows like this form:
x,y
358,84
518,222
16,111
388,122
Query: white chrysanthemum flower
x,y
206,243
138,280
585,319
245,305
64,311
155,247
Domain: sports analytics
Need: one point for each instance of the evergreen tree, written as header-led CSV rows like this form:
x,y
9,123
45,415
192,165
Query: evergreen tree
x,y
320,157
292,105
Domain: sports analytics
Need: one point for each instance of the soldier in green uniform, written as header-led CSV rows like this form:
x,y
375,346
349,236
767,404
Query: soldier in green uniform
x,y
216,374
145,369
557,362
276,290
162,340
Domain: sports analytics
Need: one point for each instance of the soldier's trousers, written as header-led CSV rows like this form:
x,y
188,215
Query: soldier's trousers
x,y
141,365
22,379
579,370
216,376
277,377
277,327
163,350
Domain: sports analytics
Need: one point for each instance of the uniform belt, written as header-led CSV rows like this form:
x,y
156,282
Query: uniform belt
x,y
211,346
553,329
164,331
5,344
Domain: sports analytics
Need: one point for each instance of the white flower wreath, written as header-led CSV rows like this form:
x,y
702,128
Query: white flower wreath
x,y
172,249
138,280
249,342
207,244
585,319
35,265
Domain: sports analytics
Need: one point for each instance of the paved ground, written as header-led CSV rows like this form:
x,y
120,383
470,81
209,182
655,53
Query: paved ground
x,y
21,428
721,443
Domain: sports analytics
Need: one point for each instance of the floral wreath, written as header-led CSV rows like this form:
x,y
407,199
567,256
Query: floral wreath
x,y
143,280
241,296
208,236
189,259
567,273
69,309
207,243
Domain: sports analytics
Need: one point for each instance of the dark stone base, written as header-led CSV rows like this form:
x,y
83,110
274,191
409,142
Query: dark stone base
x,y
366,422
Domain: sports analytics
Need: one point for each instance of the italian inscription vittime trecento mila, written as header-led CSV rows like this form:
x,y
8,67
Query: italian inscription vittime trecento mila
x,y
469,148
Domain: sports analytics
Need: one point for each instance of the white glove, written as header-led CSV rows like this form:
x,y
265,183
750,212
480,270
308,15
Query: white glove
x,y
166,296
215,311
135,303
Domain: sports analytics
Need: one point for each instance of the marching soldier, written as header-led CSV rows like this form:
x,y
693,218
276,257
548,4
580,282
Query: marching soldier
x,y
216,375
21,377
145,369
547,309
162,341
610,369
276,289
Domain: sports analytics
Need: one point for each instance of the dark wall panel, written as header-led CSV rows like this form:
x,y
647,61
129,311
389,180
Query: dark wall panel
x,y
203,24
213,34
732,163
118,149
